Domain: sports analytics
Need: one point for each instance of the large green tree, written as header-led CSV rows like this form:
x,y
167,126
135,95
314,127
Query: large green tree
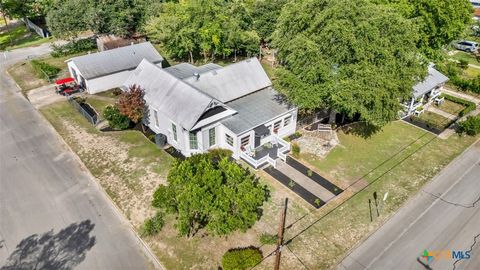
x,y
190,28
265,14
439,21
354,57
210,191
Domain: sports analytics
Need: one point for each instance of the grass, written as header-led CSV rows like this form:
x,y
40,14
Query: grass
x,y
470,58
98,104
471,72
25,76
399,160
451,107
435,120
17,36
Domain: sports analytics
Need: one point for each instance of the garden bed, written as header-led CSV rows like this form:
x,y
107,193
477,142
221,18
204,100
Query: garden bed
x,y
432,122
295,187
314,176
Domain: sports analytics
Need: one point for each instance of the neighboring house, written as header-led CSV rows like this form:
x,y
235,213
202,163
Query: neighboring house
x,y
105,70
232,107
476,14
425,92
108,42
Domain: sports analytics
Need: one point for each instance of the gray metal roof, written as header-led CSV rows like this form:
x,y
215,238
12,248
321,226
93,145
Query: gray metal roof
x,y
185,70
256,109
233,81
108,62
433,79
178,100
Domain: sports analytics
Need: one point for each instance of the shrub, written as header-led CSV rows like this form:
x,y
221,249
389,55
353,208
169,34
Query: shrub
x,y
469,106
471,126
73,47
44,70
241,259
463,64
153,225
115,119
268,239
295,150
132,104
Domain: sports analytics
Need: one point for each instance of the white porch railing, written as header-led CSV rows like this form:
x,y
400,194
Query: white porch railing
x,y
284,148
258,162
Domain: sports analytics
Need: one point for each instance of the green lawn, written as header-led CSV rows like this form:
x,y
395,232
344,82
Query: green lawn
x,y
451,107
471,72
470,58
435,120
99,104
17,36
399,160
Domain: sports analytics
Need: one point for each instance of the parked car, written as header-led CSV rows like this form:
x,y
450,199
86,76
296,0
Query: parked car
x,y
467,46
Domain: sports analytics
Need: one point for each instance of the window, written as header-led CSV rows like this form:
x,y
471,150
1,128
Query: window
x,y
286,120
229,139
155,115
277,125
211,137
193,141
245,141
174,131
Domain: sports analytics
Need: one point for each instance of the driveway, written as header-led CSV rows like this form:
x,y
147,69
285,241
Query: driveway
x,y
44,96
53,215
445,216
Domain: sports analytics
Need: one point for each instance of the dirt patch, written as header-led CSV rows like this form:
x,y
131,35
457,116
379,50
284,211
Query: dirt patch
x,y
24,76
115,170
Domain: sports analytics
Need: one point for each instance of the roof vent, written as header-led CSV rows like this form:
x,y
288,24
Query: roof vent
x,y
196,75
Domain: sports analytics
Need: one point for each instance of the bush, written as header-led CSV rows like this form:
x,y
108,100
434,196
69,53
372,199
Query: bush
x,y
115,119
44,70
471,126
73,47
153,225
268,239
469,106
295,150
463,64
241,259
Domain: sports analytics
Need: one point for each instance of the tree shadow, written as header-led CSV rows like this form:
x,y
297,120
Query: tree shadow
x,y
361,129
63,250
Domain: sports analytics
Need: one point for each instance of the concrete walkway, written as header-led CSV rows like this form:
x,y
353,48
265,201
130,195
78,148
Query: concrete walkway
x,y
304,181
442,113
44,96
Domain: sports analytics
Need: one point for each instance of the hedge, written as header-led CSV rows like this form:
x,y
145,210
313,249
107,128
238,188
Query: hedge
x,y
469,106
241,259
44,70
73,47
471,126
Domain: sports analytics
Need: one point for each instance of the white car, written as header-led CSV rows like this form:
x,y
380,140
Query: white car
x,y
465,45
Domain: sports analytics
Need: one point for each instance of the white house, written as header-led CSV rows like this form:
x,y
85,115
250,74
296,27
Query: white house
x,y
105,70
426,92
232,107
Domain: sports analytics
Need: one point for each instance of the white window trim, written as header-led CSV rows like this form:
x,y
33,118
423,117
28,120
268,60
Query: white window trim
x,y
285,117
226,140
214,137
174,134
190,142
155,118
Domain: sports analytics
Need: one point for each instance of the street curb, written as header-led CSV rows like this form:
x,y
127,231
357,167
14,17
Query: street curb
x,y
148,252
410,199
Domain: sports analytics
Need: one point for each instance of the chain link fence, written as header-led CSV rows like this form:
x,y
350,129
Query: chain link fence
x,y
85,109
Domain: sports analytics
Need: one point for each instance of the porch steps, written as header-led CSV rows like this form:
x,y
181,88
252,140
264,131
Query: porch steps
x,y
304,181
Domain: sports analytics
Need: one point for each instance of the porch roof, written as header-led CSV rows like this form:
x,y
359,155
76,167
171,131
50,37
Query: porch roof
x,y
433,79
256,109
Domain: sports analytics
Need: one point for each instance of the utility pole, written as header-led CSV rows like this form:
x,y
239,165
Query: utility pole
x,y
281,229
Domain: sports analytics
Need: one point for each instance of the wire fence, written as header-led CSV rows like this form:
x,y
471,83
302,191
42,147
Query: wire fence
x,y
85,109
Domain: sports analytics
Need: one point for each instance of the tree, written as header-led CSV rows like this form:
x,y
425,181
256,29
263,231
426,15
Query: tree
x,y
265,14
209,29
61,22
19,9
354,57
241,258
132,104
210,191
439,21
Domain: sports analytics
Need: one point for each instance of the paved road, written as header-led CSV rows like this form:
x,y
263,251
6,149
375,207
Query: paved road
x,y
444,216
52,214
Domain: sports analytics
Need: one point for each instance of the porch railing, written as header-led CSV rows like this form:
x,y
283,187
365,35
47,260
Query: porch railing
x,y
258,162
284,148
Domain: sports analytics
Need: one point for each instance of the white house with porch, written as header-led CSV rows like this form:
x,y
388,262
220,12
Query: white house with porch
x,y
206,107
426,92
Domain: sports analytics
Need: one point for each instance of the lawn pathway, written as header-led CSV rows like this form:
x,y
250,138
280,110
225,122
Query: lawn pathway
x,y
461,95
442,113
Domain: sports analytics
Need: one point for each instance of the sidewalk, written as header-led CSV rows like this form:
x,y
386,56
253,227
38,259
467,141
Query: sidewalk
x,y
461,95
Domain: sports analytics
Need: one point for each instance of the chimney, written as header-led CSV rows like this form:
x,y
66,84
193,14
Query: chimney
x,y
197,75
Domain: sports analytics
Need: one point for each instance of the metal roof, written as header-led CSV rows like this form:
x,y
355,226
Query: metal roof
x,y
256,109
185,70
179,101
433,79
112,61
233,81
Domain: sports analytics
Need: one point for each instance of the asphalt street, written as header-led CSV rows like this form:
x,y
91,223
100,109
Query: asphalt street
x,y
52,213
445,216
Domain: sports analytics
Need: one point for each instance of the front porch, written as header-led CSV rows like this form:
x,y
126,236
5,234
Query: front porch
x,y
267,153
418,104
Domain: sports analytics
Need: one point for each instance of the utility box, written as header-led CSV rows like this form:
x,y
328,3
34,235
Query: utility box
x,y
160,140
